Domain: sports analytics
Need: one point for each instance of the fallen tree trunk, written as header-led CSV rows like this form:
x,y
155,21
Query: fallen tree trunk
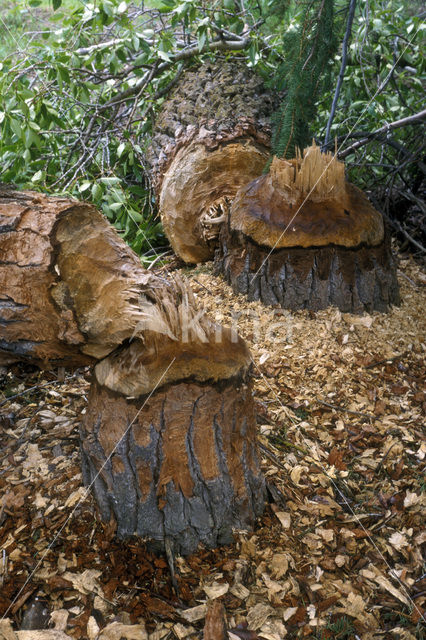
x,y
34,326
211,137
168,440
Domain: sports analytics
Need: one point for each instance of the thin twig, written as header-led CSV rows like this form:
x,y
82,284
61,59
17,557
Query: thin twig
x,y
353,413
403,122
342,69
385,361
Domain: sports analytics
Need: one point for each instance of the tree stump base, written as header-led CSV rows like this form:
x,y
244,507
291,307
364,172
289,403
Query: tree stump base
x,y
356,280
185,470
302,237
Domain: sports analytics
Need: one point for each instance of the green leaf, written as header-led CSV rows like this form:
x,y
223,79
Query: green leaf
x,y
38,176
164,55
202,37
84,186
56,4
96,191
15,126
110,181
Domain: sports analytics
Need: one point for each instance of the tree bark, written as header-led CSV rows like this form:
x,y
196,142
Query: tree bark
x,y
185,469
211,137
168,440
33,326
353,279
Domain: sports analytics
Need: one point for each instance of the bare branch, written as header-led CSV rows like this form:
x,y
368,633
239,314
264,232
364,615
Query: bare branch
x,y
342,69
417,118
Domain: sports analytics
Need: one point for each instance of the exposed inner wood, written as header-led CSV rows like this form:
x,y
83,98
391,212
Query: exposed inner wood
x,y
313,174
197,180
306,202
211,136
33,327
169,436
74,293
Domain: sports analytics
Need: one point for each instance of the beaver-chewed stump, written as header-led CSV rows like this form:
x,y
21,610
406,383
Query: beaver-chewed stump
x,y
211,136
168,439
302,237
186,467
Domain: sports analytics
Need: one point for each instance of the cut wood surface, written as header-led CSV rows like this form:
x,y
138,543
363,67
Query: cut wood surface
x,y
302,237
169,438
211,137
33,326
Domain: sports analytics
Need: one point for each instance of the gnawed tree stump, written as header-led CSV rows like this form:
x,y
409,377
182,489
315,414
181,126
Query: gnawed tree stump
x,y
211,137
302,237
185,470
168,440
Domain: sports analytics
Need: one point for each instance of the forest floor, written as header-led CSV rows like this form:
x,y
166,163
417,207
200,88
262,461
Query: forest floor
x,y
337,554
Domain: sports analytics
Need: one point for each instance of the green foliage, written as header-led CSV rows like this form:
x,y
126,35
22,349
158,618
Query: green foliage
x,y
80,82
383,83
308,45
340,629
66,125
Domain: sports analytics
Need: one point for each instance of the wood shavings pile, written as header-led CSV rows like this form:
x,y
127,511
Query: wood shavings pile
x,y
341,410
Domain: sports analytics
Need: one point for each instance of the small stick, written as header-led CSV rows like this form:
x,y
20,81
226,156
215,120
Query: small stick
x,y
385,361
401,273
353,413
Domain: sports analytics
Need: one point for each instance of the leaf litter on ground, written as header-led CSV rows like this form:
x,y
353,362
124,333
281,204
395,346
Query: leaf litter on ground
x,y
341,408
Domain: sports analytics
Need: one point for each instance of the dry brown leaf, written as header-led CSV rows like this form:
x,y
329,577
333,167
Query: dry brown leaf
x,y
194,613
284,518
386,585
258,615
6,630
279,564
85,582
60,619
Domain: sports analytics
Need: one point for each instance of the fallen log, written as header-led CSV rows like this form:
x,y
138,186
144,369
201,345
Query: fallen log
x,y
168,440
211,136
302,237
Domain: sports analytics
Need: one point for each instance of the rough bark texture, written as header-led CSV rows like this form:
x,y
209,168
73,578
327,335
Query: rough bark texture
x,y
353,279
170,424
185,469
211,137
